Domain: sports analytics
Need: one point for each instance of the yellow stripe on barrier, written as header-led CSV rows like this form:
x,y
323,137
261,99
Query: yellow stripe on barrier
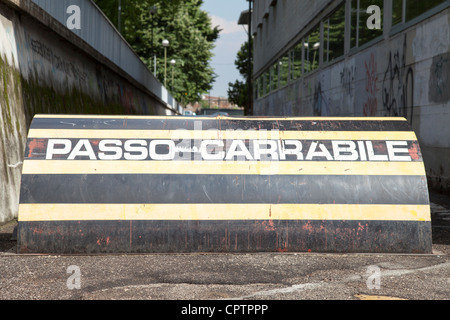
x,y
222,134
222,167
106,212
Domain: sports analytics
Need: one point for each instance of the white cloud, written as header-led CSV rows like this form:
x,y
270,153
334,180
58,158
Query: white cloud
x,y
227,26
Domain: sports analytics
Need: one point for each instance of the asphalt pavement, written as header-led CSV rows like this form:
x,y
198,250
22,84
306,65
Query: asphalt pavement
x,y
231,277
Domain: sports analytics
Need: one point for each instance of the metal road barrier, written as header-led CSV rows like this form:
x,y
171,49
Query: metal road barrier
x,y
129,184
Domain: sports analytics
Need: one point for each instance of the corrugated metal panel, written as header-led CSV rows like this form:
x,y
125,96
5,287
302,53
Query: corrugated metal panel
x,y
99,32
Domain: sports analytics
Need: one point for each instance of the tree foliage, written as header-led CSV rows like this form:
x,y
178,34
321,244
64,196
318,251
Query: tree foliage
x,y
189,31
238,91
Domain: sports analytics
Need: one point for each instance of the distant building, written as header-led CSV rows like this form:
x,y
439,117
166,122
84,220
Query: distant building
x,y
329,58
219,103
211,102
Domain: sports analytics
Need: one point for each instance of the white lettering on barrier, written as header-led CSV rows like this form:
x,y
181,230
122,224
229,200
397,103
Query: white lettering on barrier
x,y
233,152
270,150
323,153
341,150
52,150
104,146
392,150
296,151
158,156
136,150
78,152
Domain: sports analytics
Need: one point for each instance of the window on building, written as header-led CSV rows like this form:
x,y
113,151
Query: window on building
x,y
296,61
397,12
259,87
312,48
266,82
360,33
415,8
274,76
406,10
284,70
334,35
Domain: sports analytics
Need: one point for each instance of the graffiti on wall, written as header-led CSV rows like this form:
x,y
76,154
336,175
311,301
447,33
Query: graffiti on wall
x,y
58,62
321,100
371,105
398,85
342,84
106,86
347,78
439,78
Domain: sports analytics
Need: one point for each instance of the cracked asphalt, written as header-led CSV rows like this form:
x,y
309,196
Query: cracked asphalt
x,y
266,276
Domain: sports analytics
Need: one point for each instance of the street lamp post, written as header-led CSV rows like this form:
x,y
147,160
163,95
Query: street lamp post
x,y
246,19
152,12
249,66
165,44
119,14
172,62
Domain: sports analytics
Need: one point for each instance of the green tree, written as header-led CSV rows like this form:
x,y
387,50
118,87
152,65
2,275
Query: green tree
x,y
238,91
189,31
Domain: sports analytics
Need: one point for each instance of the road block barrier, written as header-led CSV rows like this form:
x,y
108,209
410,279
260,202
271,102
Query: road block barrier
x,y
134,184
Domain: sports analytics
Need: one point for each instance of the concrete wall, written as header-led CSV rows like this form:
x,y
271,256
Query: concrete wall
x,y
407,73
46,68
99,33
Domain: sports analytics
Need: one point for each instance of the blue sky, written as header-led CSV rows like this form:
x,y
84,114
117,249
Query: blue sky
x,y
226,14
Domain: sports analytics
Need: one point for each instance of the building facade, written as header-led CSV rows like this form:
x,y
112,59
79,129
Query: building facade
x,y
358,58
